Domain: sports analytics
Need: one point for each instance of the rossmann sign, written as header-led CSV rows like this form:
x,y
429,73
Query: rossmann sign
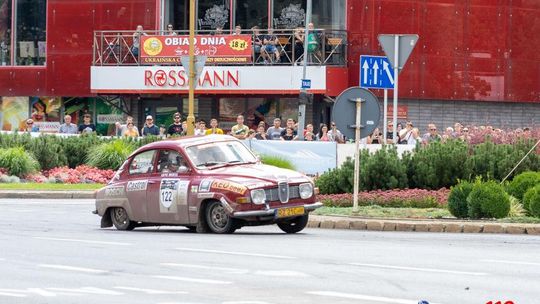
x,y
213,79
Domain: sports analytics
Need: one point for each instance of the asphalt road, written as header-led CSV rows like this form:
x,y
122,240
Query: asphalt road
x,y
54,252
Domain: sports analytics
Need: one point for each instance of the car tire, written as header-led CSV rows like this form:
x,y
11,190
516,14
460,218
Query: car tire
x,y
121,219
295,225
218,220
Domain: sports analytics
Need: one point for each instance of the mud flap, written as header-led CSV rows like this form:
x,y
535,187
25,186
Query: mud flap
x,y
106,220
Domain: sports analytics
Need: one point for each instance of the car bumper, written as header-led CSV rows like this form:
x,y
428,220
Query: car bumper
x,y
271,212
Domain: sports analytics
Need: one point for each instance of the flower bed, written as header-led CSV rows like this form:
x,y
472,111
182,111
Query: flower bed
x,y
417,198
65,175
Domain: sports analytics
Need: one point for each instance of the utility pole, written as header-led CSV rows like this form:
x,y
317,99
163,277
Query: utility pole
x,y
304,97
191,98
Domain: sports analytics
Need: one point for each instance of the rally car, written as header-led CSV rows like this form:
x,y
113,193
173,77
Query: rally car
x,y
212,183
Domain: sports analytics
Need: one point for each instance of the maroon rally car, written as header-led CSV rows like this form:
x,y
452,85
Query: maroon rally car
x,y
208,184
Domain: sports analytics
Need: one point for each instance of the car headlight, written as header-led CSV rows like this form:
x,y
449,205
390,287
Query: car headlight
x,y
306,190
258,196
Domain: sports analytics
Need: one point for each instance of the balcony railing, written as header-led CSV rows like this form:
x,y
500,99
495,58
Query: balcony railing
x,y
116,48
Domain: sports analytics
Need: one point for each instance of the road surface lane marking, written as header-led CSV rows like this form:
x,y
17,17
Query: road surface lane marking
x,y
184,279
245,302
91,290
71,268
511,262
363,297
420,269
237,253
150,291
224,269
81,241
10,294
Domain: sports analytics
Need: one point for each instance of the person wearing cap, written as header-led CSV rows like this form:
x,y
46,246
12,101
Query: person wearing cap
x,y
67,127
30,127
149,127
175,129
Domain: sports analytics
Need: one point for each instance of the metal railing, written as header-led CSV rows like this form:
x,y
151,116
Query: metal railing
x,y
116,48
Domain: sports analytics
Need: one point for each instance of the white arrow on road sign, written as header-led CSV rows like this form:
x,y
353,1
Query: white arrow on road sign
x,y
373,73
365,67
376,72
388,72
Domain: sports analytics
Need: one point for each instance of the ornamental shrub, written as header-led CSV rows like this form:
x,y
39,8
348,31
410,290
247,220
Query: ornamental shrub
x,y
382,170
277,162
77,148
488,200
18,162
110,155
516,208
327,182
531,201
48,151
523,182
457,200
438,165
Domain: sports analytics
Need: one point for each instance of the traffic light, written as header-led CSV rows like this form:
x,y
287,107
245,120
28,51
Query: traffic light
x,y
305,98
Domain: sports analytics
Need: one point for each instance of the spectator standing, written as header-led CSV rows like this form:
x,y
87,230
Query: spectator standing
x,y
237,30
87,126
214,129
431,135
406,134
239,130
270,46
201,128
390,133
323,133
458,129
275,132
175,129
131,130
335,134
137,40
309,136
290,124
298,43
149,127
257,42
170,30
376,137
30,127
289,134
67,127
251,134
120,129
261,134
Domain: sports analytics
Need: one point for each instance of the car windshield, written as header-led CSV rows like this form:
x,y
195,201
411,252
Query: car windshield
x,y
219,154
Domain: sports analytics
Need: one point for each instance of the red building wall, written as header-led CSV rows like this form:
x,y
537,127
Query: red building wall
x,y
70,30
468,49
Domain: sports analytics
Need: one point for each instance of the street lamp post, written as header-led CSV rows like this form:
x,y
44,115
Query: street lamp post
x,y
303,92
191,97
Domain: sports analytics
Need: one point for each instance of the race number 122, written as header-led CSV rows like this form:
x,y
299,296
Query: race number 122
x,y
500,302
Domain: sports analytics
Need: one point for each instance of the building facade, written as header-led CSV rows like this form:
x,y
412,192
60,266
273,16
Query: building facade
x,y
475,62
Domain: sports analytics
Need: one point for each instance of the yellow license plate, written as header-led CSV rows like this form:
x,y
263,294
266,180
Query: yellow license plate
x,y
291,211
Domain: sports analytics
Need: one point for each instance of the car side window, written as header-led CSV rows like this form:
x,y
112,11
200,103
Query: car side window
x,y
142,163
171,161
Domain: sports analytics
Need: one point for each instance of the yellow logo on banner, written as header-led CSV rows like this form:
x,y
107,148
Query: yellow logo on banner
x,y
153,46
238,44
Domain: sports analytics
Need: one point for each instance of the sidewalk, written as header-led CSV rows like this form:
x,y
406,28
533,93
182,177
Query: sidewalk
x,y
47,194
357,223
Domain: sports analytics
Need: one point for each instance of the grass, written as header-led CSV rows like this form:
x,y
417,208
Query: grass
x,y
49,187
410,213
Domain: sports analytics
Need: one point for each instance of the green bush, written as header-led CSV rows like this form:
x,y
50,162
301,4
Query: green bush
x,y
488,200
110,155
327,182
516,208
382,170
277,162
438,165
48,151
18,162
523,182
77,148
531,201
457,199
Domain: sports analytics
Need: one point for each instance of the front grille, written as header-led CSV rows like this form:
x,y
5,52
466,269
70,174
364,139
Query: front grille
x,y
272,194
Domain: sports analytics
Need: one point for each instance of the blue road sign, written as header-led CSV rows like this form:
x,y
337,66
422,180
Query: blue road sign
x,y
376,72
306,83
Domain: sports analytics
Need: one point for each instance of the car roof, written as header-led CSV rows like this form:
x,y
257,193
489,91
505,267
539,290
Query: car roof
x,y
183,142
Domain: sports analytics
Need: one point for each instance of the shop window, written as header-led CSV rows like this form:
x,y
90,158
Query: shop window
x,y
249,13
5,32
329,14
177,13
229,109
107,115
289,14
212,14
185,107
30,32
288,108
261,109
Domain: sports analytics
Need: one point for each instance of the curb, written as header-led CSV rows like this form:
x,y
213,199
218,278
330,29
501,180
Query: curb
x,y
350,223
47,194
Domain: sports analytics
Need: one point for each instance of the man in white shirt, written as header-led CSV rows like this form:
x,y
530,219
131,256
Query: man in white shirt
x,y
67,127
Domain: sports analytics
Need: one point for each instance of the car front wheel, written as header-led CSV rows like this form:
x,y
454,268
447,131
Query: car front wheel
x,y
218,220
295,225
121,219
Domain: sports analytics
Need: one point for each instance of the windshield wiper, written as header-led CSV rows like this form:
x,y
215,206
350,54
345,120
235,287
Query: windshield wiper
x,y
211,164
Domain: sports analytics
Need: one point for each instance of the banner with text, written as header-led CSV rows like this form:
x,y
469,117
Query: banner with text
x,y
218,48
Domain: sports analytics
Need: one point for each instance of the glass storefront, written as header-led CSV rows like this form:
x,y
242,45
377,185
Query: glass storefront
x,y
250,13
288,14
5,32
213,14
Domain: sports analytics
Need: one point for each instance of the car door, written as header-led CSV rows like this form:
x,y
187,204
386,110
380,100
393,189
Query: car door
x,y
168,191
139,176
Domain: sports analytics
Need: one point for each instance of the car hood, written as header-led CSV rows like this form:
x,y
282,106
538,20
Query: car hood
x,y
257,175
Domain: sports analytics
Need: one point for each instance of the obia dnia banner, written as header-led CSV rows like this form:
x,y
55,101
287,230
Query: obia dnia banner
x,y
218,48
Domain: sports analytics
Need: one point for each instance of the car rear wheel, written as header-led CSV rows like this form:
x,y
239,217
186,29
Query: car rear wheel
x,y
218,220
295,225
121,219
